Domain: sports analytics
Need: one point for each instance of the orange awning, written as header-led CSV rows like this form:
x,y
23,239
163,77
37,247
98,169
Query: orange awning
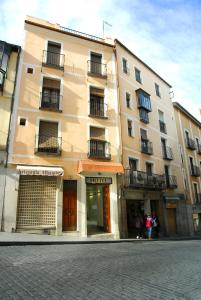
x,y
99,166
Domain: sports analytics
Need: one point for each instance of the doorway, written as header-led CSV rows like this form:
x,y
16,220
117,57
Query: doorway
x,y
98,209
135,217
69,205
171,217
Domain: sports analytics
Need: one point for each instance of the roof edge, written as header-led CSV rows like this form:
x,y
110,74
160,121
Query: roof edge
x,y
121,44
186,112
67,33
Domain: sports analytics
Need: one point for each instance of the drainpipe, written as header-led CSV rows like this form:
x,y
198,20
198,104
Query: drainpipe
x,y
119,182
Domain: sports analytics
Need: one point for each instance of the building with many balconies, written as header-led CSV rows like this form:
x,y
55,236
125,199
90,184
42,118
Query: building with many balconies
x,y
189,134
64,151
151,181
93,142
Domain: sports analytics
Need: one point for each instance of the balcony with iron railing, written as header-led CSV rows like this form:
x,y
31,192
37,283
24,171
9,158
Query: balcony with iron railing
x,y
198,148
167,153
97,108
51,101
99,149
48,145
197,198
142,180
53,59
146,147
96,69
162,126
171,181
190,144
195,170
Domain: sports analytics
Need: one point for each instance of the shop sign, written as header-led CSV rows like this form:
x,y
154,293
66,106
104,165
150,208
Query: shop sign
x,y
38,170
98,180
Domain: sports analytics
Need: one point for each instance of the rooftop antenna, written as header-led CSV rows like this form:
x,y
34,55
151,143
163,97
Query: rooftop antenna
x,y
105,23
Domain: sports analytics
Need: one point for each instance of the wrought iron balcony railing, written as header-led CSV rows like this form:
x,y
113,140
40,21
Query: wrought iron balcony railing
x,y
197,198
162,126
143,180
167,153
53,59
48,144
96,68
195,170
171,181
144,116
146,147
190,144
99,149
51,101
97,108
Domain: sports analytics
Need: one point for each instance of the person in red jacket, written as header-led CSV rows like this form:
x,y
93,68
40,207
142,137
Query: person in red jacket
x,y
149,226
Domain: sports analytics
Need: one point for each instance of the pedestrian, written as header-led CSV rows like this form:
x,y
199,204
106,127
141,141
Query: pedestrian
x,y
149,227
155,225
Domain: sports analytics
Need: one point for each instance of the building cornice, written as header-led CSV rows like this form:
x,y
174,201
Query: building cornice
x,y
77,35
128,50
186,113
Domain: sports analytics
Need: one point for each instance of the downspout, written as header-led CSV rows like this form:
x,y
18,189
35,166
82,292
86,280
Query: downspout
x,y
7,145
119,182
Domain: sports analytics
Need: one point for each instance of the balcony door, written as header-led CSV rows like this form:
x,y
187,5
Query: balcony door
x,y
53,54
97,107
50,94
96,63
48,137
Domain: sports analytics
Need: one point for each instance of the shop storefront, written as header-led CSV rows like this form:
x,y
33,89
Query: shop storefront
x,y
99,185
38,192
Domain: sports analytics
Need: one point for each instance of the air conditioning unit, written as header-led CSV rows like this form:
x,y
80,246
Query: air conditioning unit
x,y
138,177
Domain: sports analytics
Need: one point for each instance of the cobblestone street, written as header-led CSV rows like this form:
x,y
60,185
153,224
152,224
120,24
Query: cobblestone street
x,y
138,270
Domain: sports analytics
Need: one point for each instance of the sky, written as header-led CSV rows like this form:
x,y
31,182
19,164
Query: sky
x,y
165,34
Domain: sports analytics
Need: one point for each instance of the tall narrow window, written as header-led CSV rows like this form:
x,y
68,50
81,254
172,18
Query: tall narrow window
x,y
162,124
138,75
157,89
133,164
96,63
196,196
53,55
128,100
130,128
125,66
149,168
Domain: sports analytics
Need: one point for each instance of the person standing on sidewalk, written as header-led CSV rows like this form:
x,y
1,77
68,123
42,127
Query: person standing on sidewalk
x,y
149,227
155,225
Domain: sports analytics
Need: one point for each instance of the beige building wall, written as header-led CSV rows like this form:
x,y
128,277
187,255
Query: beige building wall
x,y
131,145
73,120
187,123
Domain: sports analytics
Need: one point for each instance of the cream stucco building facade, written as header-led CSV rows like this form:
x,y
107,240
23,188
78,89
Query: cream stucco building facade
x,y
93,142
189,134
64,150
152,182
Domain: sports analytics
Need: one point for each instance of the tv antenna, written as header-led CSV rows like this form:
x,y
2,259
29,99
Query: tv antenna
x,y
105,23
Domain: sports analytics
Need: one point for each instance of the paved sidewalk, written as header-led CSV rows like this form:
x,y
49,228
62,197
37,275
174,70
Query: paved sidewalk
x,y
7,239
11,239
